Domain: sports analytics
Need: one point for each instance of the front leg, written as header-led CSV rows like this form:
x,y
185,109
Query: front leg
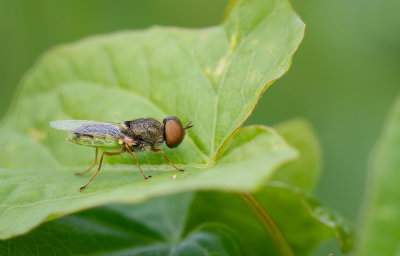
x,y
166,158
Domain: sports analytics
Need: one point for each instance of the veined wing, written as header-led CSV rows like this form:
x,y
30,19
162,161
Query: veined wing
x,y
93,128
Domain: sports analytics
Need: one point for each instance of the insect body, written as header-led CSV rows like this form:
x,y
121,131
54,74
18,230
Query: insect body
x,y
130,136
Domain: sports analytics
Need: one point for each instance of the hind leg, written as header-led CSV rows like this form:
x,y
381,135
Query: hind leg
x,y
95,162
101,162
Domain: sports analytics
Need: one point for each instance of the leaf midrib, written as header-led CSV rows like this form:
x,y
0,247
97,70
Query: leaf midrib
x,y
230,56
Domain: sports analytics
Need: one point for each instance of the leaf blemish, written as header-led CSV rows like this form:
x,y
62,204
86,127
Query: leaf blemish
x,y
158,96
220,67
11,147
222,62
36,134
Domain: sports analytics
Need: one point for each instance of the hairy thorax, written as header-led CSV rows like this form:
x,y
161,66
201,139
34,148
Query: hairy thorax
x,y
147,132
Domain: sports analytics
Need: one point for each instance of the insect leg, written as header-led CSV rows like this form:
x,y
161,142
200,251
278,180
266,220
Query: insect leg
x,y
95,162
101,162
137,163
166,158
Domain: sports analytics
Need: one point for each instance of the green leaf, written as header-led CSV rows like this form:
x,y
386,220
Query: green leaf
x,y
380,228
155,227
302,172
218,222
289,187
312,222
213,76
303,220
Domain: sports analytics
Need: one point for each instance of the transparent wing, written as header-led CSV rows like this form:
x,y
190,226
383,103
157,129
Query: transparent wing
x,y
93,128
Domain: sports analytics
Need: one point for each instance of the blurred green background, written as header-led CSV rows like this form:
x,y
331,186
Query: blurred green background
x,y
344,77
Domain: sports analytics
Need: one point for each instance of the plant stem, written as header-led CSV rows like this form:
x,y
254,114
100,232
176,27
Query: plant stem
x,y
269,225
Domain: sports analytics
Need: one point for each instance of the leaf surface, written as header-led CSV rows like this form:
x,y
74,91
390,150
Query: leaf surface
x,y
152,228
303,172
380,228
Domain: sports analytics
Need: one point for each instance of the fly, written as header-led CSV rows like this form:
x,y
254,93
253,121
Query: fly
x,y
137,135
